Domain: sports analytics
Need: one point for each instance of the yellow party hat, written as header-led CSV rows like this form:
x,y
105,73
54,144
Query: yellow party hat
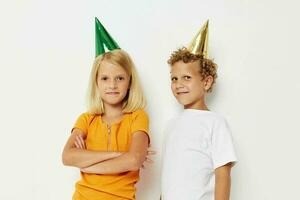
x,y
199,44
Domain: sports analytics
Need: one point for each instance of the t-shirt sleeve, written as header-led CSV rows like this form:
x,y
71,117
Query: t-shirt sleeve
x,y
140,123
82,123
222,145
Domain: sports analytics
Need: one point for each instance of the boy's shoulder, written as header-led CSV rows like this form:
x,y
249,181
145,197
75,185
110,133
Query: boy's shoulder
x,y
215,117
202,114
197,118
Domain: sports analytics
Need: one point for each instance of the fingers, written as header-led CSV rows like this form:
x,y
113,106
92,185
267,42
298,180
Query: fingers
x,y
150,152
82,170
82,141
148,160
79,142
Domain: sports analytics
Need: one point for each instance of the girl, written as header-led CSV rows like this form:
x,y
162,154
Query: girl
x,y
109,142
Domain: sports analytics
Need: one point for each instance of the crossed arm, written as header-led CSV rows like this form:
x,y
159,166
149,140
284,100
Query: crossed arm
x,y
105,162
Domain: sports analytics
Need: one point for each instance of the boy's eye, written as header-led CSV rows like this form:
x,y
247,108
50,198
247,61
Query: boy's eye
x,y
173,79
187,77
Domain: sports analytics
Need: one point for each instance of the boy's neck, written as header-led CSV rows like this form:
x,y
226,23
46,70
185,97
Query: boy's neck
x,y
199,105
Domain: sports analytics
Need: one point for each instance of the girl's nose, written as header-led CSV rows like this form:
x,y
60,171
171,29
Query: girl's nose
x,y
113,84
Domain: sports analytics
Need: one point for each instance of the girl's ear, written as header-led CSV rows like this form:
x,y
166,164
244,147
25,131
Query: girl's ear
x,y
96,80
130,78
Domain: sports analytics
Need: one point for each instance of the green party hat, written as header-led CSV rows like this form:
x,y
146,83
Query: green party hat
x,y
103,38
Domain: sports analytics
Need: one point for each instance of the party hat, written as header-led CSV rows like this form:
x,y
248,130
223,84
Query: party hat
x,y
103,38
199,44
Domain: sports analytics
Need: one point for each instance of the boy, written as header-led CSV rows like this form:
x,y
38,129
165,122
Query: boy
x,y
198,153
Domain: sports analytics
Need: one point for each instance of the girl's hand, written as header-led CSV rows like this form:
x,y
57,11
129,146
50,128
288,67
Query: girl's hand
x,y
84,170
79,142
147,159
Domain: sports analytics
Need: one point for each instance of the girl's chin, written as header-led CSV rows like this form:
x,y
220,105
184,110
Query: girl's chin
x,y
113,103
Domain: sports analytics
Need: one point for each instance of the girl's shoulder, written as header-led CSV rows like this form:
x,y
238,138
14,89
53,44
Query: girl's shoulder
x,y
140,113
88,117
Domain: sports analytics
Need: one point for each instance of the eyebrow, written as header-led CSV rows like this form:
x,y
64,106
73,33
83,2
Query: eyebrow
x,y
115,75
119,75
182,75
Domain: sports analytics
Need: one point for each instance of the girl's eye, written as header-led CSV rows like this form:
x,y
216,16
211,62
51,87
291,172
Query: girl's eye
x,y
120,78
104,78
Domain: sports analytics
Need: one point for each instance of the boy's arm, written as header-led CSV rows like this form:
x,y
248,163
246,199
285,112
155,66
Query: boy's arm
x,y
129,161
81,158
222,182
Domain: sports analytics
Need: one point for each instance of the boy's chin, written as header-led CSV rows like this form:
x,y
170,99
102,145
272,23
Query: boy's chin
x,y
183,102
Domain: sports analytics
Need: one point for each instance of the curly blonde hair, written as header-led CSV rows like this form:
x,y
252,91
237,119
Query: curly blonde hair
x,y
206,66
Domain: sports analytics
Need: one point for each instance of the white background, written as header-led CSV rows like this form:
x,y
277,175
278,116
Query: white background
x,y
47,50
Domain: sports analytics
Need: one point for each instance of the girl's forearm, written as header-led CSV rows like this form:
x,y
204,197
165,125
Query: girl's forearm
x,y
83,158
123,163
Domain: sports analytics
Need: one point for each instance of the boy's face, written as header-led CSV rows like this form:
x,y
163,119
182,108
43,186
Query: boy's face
x,y
188,86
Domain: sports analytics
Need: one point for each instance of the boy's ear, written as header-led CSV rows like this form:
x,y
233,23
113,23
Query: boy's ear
x,y
208,82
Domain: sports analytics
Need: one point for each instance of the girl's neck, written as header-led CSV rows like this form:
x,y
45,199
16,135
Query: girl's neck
x,y
113,114
113,110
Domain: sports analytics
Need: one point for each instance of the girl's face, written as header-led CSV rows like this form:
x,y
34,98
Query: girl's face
x,y
113,83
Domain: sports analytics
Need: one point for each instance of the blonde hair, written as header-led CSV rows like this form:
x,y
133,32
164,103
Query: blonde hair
x,y
134,99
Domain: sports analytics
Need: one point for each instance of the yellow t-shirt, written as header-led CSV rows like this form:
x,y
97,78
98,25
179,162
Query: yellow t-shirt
x,y
109,187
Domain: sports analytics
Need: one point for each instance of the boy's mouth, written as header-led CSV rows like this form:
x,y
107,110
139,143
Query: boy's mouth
x,y
181,93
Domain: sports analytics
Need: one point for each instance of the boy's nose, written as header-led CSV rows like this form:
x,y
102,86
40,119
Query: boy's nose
x,y
178,85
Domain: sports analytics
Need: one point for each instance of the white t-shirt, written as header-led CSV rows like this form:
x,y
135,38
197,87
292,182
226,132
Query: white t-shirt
x,y
196,143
